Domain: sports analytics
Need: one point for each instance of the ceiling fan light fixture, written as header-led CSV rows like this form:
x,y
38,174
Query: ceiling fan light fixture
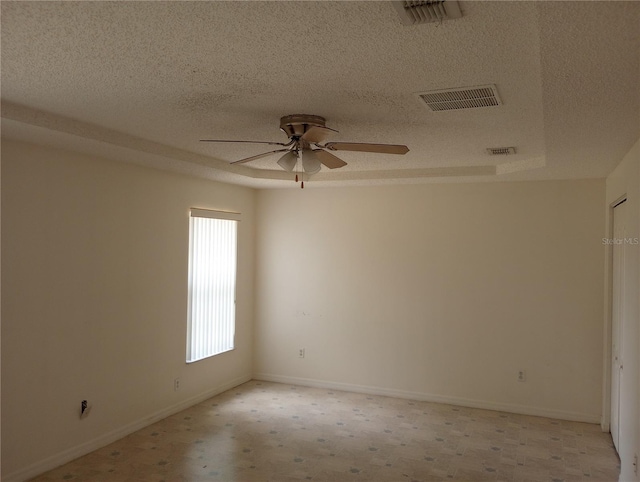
x,y
310,162
288,161
305,132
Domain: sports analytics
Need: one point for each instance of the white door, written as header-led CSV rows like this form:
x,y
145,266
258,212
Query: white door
x,y
617,312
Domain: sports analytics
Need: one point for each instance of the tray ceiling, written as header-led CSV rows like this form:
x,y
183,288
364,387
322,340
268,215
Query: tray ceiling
x,y
144,81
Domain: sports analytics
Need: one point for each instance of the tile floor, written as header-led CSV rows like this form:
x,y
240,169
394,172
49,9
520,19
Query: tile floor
x,y
264,431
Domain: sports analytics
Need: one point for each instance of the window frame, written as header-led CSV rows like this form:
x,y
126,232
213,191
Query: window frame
x,y
212,328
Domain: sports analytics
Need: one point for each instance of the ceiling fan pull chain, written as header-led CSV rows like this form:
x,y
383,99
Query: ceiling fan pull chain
x,y
304,132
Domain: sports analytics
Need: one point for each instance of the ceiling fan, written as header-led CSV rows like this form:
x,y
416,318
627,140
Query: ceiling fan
x,y
306,134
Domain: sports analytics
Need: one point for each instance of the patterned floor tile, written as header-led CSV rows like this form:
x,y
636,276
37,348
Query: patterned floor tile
x,y
261,432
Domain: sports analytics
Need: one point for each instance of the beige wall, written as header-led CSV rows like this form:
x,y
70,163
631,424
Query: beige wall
x,y
441,292
625,182
94,284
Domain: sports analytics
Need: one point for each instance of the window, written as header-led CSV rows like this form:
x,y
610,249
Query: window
x,y
212,283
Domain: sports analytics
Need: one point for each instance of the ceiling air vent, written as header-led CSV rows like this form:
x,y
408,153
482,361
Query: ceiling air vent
x,y
501,151
461,98
413,12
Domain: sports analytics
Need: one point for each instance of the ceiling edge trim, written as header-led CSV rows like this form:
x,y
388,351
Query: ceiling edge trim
x,y
457,171
91,132
519,166
46,120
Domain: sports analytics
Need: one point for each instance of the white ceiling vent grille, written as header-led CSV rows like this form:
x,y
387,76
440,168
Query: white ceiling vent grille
x,y
413,12
462,98
501,151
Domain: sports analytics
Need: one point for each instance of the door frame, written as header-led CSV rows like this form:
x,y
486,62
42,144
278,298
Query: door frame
x,y
605,421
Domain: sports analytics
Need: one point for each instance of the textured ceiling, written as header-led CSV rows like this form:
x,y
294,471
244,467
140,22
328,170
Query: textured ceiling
x,y
144,81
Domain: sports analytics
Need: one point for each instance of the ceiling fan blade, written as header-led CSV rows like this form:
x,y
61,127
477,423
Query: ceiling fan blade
x,y
317,134
360,147
259,156
248,142
329,160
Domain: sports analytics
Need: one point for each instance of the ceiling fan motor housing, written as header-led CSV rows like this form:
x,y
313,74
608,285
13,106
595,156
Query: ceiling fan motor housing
x,y
296,125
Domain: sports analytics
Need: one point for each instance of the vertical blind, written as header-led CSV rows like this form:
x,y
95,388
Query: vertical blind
x,y
212,283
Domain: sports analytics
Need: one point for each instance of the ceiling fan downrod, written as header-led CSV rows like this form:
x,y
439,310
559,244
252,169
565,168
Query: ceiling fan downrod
x,y
306,151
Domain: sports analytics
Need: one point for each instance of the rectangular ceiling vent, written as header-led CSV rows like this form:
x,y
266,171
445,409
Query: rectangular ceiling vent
x,y
501,151
413,12
461,98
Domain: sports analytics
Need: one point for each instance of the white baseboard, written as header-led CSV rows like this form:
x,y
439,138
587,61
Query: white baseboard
x,y
68,455
427,397
87,447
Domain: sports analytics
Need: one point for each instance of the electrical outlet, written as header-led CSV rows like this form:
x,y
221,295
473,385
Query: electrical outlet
x,y
84,409
301,353
176,384
522,376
